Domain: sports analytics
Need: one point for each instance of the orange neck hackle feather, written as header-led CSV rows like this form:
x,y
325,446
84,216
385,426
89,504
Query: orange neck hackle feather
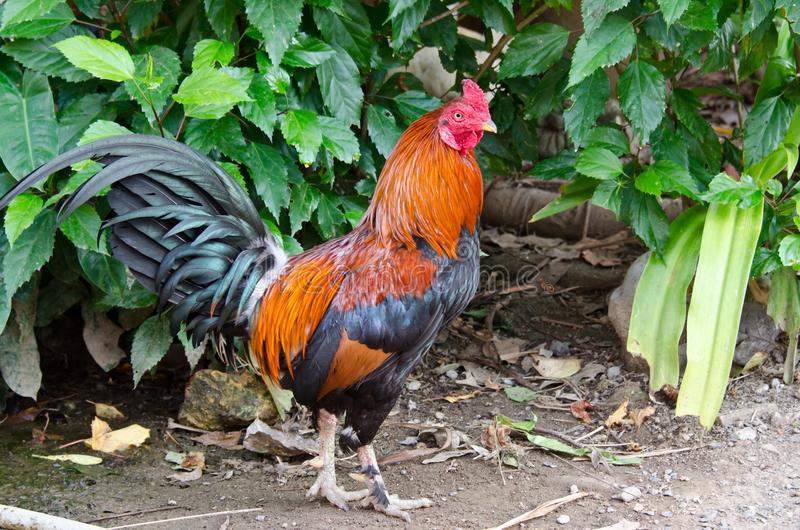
x,y
427,190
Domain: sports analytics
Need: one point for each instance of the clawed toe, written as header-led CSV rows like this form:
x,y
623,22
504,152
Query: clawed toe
x,y
325,488
394,506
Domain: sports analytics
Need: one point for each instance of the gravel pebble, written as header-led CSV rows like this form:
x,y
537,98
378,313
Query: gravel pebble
x,y
563,519
747,433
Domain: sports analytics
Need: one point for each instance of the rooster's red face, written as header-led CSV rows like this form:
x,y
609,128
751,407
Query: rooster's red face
x,y
464,120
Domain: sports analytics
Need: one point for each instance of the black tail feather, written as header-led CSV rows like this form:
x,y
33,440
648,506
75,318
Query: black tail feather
x,y
184,227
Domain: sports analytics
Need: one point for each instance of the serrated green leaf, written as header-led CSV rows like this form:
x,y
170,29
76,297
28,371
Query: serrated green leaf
x,y
642,94
82,227
142,16
595,11
765,127
724,190
611,138
414,103
223,135
27,123
612,42
30,251
40,26
561,166
277,20
221,16
339,139
340,84
261,109
405,24
598,163
16,11
351,31
608,195
647,218
672,10
666,176
166,67
234,171
534,50
573,193
210,52
307,52
302,204
329,216
789,250
269,174
102,129
150,345
301,129
588,101
105,272
101,58
382,129
41,56
208,93
20,214
76,118
756,13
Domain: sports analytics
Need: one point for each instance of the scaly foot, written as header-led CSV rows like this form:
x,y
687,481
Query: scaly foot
x,y
325,487
378,499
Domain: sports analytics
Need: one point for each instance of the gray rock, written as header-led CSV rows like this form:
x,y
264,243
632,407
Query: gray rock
x,y
746,434
613,372
628,494
563,519
559,348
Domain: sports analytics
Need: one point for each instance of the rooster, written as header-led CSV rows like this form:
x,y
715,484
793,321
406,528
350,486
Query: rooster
x,y
342,324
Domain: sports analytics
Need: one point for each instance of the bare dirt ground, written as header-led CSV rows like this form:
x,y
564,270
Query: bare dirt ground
x,y
743,474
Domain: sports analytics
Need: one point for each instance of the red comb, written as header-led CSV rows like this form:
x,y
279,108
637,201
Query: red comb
x,y
474,95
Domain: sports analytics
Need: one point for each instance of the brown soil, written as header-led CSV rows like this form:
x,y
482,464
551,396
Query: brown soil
x,y
743,474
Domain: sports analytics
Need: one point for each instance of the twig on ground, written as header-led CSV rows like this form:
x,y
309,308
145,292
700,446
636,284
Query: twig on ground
x,y
555,434
188,517
588,474
541,510
137,512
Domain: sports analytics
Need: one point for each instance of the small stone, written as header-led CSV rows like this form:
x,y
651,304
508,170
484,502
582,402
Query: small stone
x,y
172,502
776,383
438,415
261,518
414,385
451,374
526,363
559,348
573,489
638,507
667,514
746,434
613,372
563,519
412,405
628,494
762,389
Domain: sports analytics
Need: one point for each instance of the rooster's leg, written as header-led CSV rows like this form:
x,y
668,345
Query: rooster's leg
x,y
325,485
378,497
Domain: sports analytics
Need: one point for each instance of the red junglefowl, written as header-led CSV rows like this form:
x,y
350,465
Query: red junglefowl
x,y
343,324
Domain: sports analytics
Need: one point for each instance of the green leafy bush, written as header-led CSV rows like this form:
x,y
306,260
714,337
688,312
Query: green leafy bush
x,y
302,101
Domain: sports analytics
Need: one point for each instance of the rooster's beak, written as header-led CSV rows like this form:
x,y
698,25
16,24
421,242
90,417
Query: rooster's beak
x,y
489,126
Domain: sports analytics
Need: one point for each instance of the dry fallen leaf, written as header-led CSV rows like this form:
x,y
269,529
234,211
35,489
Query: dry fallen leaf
x,y
226,440
510,349
618,415
107,441
496,437
601,257
580,410
192,465
107,412
84,460
639,415
755,361
462,397
556,367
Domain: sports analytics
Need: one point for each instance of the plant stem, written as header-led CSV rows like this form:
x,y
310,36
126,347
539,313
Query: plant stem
x,y
791,359
180,127
440,16
118,17
505,39
152,107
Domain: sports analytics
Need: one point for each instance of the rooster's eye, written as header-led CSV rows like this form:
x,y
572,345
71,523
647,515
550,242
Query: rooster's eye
x,y
458,116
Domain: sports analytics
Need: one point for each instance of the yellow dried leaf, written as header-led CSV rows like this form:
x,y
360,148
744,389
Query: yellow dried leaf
x,y
639,415
618,415
755,361
556,367
84,460
462,397
107,441
108,412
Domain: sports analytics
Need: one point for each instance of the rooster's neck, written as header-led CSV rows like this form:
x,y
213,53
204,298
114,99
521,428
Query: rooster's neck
x,y
426,190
